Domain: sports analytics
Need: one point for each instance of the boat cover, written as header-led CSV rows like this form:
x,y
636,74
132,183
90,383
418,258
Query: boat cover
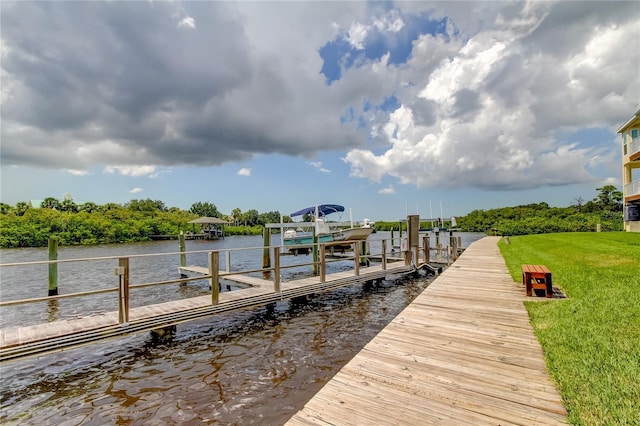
x,y
323,210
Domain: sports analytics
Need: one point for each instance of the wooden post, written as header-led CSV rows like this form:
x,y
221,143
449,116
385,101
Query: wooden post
x,y
123,290
315,254
356,255
454,248
53,267
384,254
323,263
214,271
276,269
266,260
183,249
425,245
391,238
266,242
364,253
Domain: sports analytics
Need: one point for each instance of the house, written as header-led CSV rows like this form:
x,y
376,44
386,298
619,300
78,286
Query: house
x,y
631,172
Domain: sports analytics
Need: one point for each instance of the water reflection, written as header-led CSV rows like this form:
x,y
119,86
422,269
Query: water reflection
x,y
52,310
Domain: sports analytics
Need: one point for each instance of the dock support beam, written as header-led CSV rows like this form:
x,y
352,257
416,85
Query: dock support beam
x,y
53,267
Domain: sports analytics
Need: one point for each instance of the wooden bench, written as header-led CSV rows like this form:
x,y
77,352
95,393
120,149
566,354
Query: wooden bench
x,y
537,277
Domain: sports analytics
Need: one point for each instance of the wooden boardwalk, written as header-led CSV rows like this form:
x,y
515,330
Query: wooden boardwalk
x,y
59,335
462,353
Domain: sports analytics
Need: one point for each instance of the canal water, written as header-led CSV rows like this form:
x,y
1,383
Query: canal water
x,y
258,366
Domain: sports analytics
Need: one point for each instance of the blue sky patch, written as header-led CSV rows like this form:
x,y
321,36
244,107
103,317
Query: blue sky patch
x,y
339,54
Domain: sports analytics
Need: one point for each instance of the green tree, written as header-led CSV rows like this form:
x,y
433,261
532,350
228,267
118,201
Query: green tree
x,y
269,217
50,203
21,208
236,214
147,206
88,207
250,217
69,206
204,209
5,208
609,198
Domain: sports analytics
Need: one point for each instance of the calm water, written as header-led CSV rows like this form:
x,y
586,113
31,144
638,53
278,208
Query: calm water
x,y
258,366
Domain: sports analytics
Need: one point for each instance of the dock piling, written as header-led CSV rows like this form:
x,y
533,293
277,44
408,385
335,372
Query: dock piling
x,y
276,270
53,267
183,249
123,290
214,272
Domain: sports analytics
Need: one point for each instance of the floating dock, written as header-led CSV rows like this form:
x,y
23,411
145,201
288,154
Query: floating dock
x,y
462,353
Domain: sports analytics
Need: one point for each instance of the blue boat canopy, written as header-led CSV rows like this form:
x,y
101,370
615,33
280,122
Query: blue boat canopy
x,y
323,210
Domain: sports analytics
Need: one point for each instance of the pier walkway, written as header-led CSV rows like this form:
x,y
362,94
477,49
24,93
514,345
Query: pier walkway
x,y
463,352
55,336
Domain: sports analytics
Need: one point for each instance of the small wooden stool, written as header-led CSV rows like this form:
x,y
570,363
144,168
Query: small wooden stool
x,y
537,277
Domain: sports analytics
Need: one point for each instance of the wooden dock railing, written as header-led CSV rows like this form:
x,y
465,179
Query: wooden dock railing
x,y
214,274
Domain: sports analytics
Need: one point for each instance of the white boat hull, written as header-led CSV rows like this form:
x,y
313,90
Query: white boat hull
x,y
352,234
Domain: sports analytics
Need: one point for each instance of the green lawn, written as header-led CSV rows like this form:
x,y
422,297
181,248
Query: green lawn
x,y
591,340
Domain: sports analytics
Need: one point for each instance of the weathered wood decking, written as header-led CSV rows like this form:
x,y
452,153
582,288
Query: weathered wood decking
x,y
462,353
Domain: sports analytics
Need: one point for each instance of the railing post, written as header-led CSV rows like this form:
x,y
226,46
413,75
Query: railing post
x,y
276,269
315,253
266,242
323,263
364,253
454,248
356,255
214,272
425,244
123,290
384,254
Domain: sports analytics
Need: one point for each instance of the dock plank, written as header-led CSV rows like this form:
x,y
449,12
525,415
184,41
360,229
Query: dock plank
x,y
463,352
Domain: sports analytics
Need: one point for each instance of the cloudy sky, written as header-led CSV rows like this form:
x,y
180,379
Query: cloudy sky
x,y
387,108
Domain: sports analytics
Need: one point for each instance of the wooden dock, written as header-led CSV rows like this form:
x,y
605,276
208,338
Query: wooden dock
x,y
462,353
55,336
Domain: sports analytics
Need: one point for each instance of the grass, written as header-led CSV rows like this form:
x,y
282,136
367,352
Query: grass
x,y
591,340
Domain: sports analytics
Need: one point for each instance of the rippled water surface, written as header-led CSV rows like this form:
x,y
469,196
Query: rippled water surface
x,y
258,366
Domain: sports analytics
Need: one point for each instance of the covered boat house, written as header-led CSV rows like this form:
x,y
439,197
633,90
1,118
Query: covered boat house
x,y
211,228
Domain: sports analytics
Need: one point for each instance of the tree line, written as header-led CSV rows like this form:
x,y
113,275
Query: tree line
x,y
604,210
24,225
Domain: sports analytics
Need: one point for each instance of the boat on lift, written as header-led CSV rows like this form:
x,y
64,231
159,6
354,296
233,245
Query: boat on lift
x,y
300,240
